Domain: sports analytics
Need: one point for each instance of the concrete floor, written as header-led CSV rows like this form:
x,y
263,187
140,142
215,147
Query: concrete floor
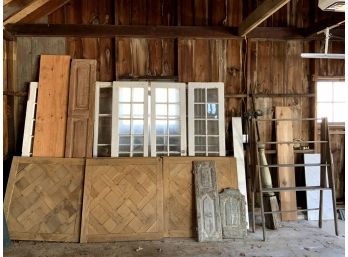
x,y
295,239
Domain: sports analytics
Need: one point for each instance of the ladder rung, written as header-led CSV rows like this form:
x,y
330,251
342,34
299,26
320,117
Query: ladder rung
x,y
290,142
280,189
294,165
299,210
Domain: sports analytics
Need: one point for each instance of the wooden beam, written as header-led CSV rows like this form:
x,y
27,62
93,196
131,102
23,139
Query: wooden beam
x,y
5,2
262,12
321,25
110,31
35,10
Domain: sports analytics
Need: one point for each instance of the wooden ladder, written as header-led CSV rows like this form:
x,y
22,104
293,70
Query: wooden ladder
x,y
326,165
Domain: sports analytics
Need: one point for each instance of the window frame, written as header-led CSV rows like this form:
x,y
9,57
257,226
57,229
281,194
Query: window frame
x,y
221,115
182,120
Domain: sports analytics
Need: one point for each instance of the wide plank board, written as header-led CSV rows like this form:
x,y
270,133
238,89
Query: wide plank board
x,y
179,209
52,105
43,199
123,200
285,155
79,135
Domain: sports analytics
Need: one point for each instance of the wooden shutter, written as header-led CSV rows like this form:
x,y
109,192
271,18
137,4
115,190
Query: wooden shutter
x,y
52,106
79,135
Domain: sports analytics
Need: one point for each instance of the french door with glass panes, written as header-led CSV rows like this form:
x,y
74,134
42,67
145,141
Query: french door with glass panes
x,y
168,119
129,119
206,129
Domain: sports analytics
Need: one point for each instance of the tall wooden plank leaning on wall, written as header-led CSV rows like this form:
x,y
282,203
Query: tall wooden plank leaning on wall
x,y
28,135
79,135
52,105
285,155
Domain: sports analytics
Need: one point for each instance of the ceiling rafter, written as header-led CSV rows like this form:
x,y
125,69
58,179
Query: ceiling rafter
x,y
261,13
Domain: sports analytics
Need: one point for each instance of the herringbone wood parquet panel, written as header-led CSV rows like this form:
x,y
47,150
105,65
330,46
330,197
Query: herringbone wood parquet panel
x,y
44,198
123,200
179,208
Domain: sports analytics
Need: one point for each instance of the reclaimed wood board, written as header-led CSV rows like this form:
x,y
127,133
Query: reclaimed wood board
x,y
285,155
43,199
52,105
179,209
123,200
79,135
29,120
207,201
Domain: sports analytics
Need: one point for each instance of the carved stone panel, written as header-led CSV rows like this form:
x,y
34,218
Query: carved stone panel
x,y
207,202
232,209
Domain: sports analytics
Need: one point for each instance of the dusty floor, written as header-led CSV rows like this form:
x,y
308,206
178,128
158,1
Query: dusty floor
x,y
295,239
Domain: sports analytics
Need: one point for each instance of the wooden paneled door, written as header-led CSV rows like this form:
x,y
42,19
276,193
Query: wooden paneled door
x,y
44,198
123,200
79,134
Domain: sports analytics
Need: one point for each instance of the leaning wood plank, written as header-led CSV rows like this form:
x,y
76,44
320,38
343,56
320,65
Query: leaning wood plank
x,y
29,120
207,201
123,200
179,209
35,10
285,155
262,12
43,199
79,135
238,152
52,105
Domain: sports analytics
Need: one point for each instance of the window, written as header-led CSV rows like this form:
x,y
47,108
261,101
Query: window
x,y
102,123
331,100
206,119
130,119
168,119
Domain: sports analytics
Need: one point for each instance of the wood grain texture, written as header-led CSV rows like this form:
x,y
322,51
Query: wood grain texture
x,y
52,105
123,200
207,201
285,155
79,135
179,209
44,198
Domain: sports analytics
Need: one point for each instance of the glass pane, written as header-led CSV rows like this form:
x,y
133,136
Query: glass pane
x,y
199,95
324,110
105,101
104,151
138,94
199,111
212,95
124,110
174,148
124,94
124,140
161,140
138,154
324,91
174,110
161,95
138,140
123,154
104,130
339,90
124,148
138,127
161,127
200,154
213,154
200,127
339,112
212,111
174,140
200,144
124,127
213,144
213,127
173,95
161,109
138,110
161,148
138,148
174,127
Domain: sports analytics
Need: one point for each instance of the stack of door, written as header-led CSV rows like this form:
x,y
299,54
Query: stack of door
x,y
100,200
